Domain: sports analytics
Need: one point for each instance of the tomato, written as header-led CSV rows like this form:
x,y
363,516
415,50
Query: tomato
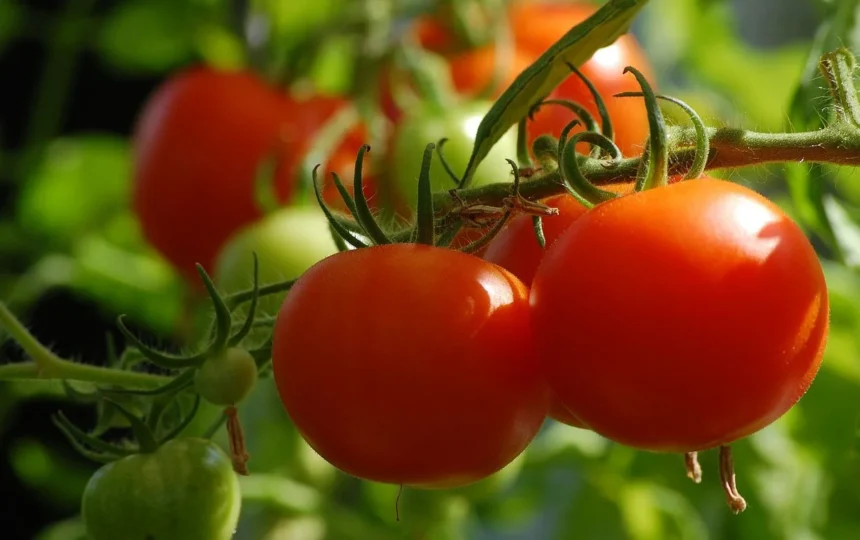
x,y
198,144
516,248
186,489
287,242
536,27
459,125
226,379
433,383
680,318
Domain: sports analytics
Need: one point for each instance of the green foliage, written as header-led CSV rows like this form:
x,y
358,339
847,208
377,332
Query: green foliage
x,y
146,36
70,226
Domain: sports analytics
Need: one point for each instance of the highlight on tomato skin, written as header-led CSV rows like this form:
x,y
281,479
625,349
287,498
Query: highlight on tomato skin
x,y
721,302
433,382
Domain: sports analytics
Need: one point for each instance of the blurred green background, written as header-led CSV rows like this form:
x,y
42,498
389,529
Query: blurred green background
x,y
74,74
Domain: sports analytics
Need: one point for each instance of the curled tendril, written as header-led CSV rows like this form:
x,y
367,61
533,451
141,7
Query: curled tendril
x,y
658,162
522,144
448,170
425,225
605,120
347,199
575,182
562,140
333,221
703,144
545,150
363,214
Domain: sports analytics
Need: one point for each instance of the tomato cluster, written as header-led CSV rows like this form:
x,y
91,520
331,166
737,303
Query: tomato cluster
x,y
675,319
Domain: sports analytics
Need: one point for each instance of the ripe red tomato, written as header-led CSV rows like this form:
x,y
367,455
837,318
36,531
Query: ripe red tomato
x,y
433,383
516,248
198,144
680,318
537,26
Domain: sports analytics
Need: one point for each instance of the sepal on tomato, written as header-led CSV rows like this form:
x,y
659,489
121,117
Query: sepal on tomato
x,y
700,161
656,173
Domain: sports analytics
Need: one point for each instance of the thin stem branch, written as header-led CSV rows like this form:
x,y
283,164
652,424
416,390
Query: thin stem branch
x,y
47,365
730,148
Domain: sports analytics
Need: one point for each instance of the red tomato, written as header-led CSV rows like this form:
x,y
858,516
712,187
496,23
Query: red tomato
x,y
516,248
537,26
198,143
433,383
681,318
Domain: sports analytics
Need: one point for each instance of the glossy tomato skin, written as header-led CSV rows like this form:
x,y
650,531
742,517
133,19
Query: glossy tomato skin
x,y
433,382
516,249
287,242
681,318
459,125
198,143
186,489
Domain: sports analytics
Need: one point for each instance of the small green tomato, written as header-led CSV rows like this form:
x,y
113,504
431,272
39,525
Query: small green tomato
x,y
186,489
287,242
226,379
459,125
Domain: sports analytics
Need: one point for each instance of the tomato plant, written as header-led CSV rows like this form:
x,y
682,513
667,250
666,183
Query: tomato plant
x,y
287,242
185,489
536,26
442,395
459,124
199,142
681,318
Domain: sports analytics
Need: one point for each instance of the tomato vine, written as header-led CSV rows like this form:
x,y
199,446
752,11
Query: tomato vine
x,y
226,370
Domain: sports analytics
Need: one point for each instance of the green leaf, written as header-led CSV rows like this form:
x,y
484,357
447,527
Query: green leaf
x,y
80,184
806,186
124,281
146,36
845,231
218,46
539,79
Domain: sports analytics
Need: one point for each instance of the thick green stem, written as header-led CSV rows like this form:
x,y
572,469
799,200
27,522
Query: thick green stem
x,y
47,365
730,148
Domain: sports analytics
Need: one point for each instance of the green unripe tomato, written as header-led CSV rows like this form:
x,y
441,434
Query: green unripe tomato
x,y
287,242
459,125
186,489
227,378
